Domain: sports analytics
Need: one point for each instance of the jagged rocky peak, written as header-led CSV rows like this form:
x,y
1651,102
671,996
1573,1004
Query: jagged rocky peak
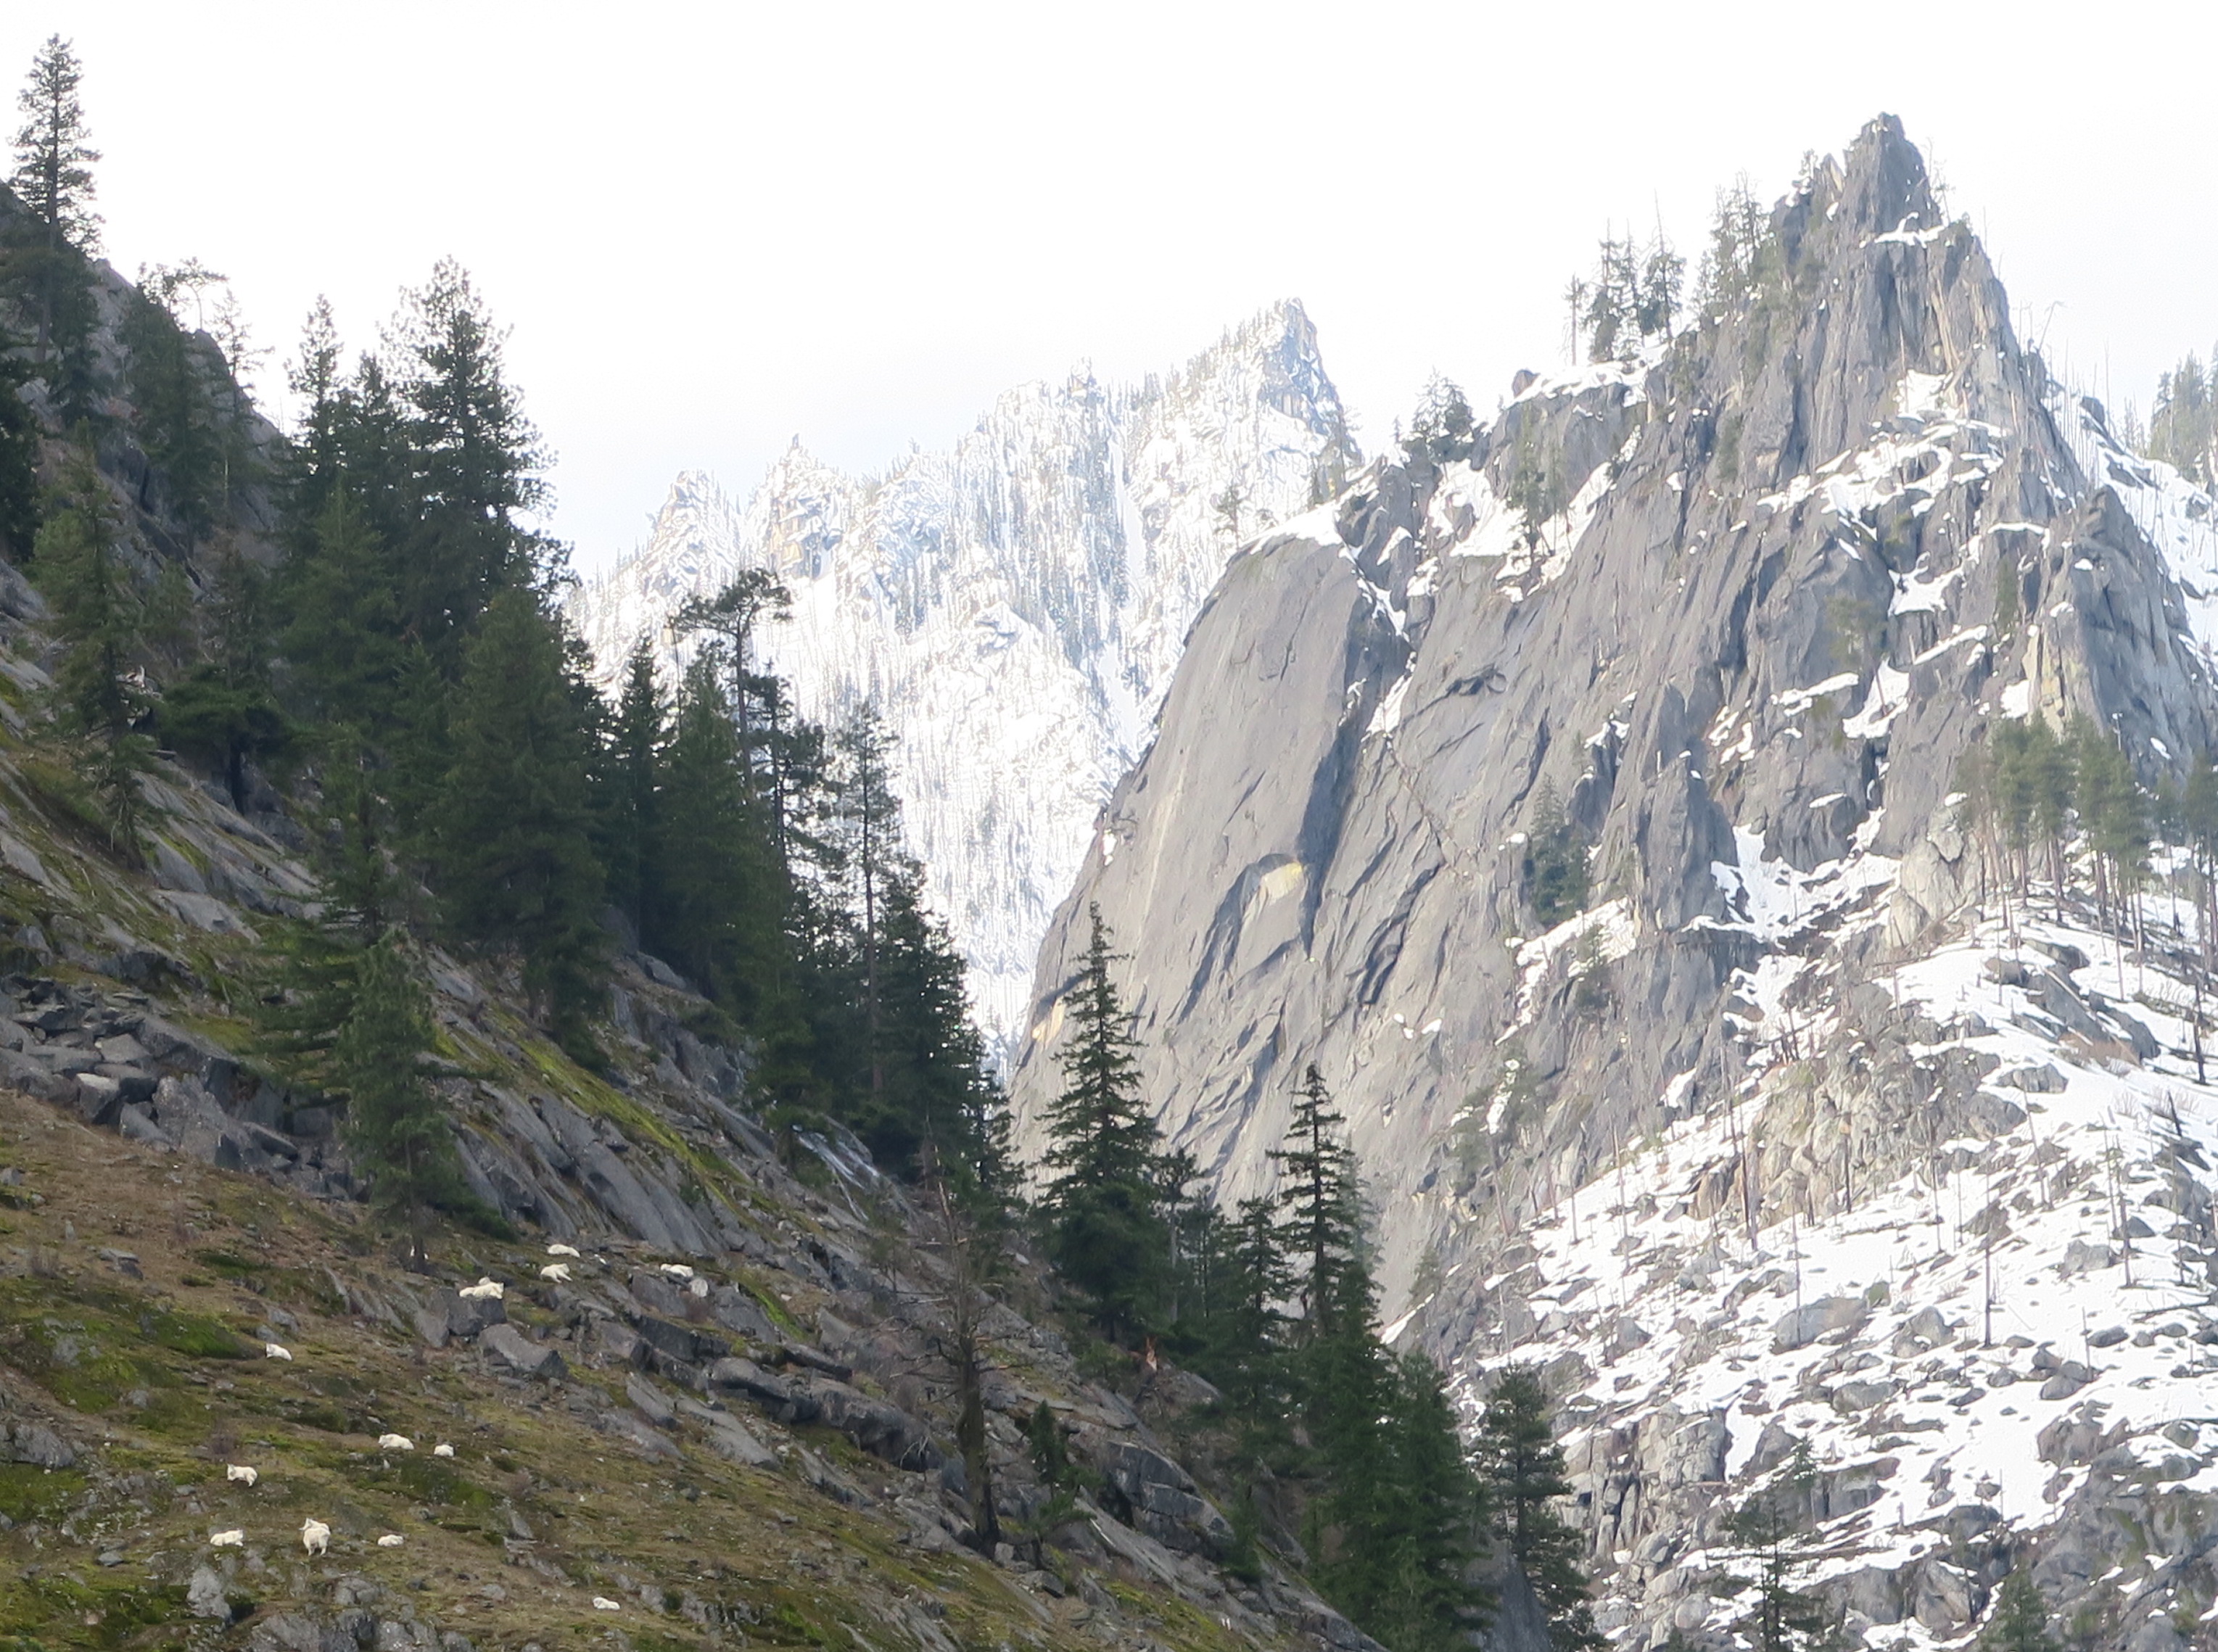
x,y
1015,605
1581,796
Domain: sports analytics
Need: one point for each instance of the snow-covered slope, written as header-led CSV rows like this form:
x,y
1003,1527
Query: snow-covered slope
x,y
1803,1129
1014,607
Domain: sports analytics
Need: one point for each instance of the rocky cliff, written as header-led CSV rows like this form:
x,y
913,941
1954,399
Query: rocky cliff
x,y
1013,607
1792,1130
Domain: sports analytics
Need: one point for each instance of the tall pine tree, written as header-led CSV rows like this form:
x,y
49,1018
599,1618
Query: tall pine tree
x,y
1523,1468
1106,1205
515,858
98,613
395,1125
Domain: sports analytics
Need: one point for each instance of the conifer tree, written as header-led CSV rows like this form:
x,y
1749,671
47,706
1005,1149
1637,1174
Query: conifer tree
x,y
1106,1203
1555,865
53,179
395,1124
629,819
174,386
1418,1594
2019,1622
1242,1330
97,612
732,616
19,457
516,866
720,916
225,709
478,464
1322,1224
939,1089
343,632
1523,1467
1772,1530
869,819
53,151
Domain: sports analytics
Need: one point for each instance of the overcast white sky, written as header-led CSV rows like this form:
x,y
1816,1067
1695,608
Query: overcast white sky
x,y
712,227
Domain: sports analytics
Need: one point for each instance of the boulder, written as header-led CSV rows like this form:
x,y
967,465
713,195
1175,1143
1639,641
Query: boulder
x,y
681,1342
728,1437
618,1342
648,1400
2081,1256
638,1433
1800,1327
36,1444
737,1311
527,1359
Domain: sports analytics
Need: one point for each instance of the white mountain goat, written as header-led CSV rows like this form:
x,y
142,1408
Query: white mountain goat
x,y
315,1536
243,1473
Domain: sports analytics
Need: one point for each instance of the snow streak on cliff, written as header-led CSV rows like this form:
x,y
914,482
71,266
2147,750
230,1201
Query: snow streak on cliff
x,y
1014,607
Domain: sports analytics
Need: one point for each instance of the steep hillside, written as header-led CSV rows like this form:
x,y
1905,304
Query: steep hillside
x,y
674,1373
1013,607
733,1419
1733,1138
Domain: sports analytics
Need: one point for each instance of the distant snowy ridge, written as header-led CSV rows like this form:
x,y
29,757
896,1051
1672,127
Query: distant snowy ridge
x,y
1014,606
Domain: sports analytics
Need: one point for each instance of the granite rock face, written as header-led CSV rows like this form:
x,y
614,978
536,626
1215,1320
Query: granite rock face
x,y
1740,607
1760,631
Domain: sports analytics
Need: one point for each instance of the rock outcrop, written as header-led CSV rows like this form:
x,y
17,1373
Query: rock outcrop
x,y
1723,620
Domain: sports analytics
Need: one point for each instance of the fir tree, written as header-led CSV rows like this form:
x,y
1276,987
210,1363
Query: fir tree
x,y
395,1124
1104,1208
226,710
97,613
19,457
343,631
1420,1595
632,770
1555,865
1772,1530
53,179
1321,1227
516,867
2019,1622
939,1090
732,616
1239,1340
174,385
53,151
1522,1466
720,915
870,816
478,462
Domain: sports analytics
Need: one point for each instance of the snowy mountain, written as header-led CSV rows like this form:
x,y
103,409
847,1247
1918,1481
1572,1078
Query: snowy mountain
x,y
1830,1116
1014,607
